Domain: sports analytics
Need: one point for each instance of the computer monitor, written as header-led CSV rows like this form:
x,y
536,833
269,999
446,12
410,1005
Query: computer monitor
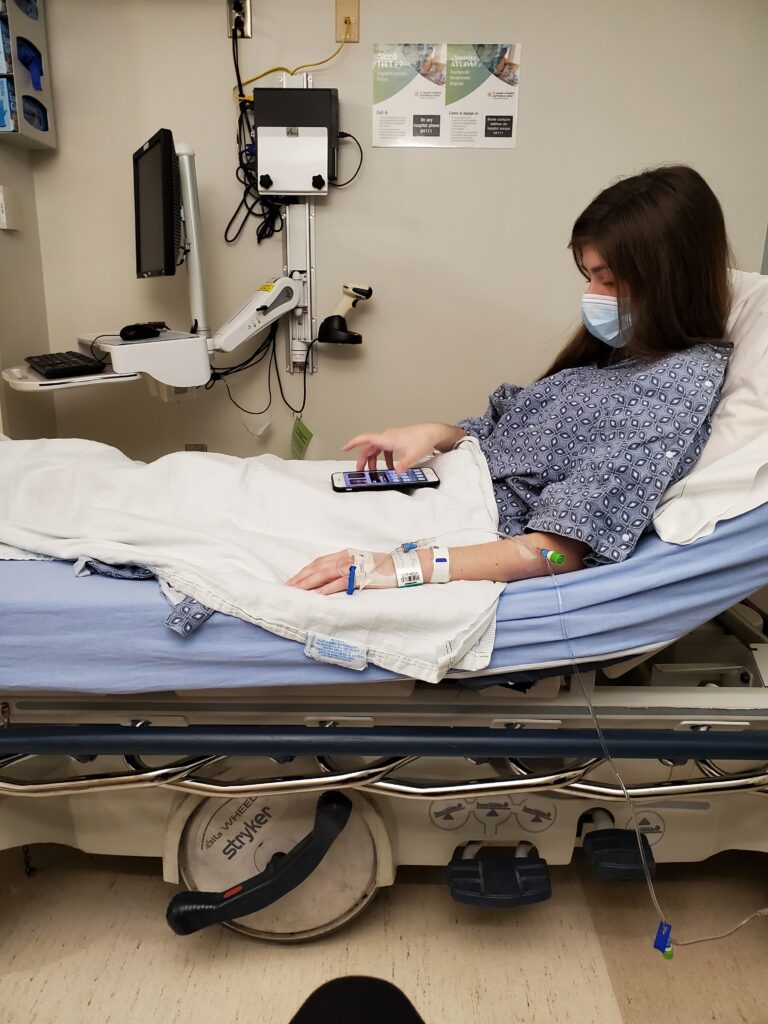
x,y
157,204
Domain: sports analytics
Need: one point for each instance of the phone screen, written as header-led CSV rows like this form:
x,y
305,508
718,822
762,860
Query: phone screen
x,y
385,478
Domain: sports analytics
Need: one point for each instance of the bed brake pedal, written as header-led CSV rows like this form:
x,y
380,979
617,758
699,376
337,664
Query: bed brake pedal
x,y
499,877
614,853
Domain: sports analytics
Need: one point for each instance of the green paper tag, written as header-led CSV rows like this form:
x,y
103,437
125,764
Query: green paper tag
x,y
301,435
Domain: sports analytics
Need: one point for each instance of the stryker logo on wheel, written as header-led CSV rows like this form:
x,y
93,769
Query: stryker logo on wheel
x,y
233,818
243,838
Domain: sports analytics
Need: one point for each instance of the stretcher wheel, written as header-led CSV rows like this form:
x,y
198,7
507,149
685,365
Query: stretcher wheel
x,y
225,842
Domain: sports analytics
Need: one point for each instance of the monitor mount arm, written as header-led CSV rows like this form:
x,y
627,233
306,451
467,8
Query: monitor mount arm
x,y
273,300
278,297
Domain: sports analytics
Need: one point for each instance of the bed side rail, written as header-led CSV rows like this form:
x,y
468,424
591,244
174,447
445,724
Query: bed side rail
x,y
392,741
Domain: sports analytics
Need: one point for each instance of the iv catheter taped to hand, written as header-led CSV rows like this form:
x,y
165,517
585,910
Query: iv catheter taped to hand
x,y
371,569
363,569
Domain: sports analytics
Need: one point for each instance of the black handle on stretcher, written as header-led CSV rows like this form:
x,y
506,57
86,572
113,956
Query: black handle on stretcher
x,y
190,911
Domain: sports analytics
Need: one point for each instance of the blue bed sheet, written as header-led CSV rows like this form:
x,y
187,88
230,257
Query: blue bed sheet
x,y
95,635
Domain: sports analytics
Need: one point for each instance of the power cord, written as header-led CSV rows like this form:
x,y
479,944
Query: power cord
x,y
300,410
266,209
105,357
240,96
237,30
266,350
343,184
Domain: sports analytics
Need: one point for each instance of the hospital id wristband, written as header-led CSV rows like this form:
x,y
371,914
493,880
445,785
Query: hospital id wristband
x,y
441,565
408,568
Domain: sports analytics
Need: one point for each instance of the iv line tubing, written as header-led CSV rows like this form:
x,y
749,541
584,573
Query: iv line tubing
x,y
649,881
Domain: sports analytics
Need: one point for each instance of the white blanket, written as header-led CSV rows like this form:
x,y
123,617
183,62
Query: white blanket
x,y
229,531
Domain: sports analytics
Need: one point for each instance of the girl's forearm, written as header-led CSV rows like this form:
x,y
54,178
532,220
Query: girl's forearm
x,y
503,561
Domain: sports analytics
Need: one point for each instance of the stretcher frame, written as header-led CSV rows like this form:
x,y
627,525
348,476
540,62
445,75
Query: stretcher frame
x,y
408,752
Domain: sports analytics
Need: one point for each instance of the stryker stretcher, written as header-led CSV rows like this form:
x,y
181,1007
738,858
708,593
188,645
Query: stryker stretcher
x,y
285,792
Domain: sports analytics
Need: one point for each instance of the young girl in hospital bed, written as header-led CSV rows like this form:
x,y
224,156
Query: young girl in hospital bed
x,y
581,458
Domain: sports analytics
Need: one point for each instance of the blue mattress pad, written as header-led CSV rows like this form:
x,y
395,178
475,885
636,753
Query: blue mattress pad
x,y
94,635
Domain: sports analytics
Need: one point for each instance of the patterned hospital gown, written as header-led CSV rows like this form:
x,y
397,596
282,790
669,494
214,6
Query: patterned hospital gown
x,y
588,452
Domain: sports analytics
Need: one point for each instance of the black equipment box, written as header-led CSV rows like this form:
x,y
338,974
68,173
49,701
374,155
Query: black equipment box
x,y
296,109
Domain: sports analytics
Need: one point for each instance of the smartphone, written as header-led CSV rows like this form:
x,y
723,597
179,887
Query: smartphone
x,y
384,480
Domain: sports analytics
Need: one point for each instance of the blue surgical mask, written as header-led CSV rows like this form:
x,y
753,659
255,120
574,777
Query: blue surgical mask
x,y
600,315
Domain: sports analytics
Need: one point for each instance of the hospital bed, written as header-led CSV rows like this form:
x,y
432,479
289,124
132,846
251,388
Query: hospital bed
x,y
283,793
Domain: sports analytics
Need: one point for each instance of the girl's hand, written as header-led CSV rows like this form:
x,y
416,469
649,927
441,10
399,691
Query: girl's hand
x,y
329,574
409,444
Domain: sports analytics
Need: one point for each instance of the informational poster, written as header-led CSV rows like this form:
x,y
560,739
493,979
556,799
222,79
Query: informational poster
x,y
446,94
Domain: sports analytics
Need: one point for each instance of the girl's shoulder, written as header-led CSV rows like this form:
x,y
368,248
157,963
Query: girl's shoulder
x,y
708,357
704,360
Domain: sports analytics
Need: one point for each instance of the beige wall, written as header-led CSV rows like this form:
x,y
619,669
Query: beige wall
x,y
23,326
465,250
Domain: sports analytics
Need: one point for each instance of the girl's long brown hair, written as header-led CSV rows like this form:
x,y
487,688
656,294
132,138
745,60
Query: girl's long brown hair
x,y
662,234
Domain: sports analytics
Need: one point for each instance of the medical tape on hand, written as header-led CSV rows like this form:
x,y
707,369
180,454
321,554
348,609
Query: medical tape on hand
x,y
371,570
441,565
365,567
408,568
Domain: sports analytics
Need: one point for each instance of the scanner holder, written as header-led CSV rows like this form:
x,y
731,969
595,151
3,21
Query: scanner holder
x,y
334,328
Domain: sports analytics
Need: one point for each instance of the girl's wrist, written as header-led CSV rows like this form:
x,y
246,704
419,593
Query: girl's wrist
x,y
449,436
425,560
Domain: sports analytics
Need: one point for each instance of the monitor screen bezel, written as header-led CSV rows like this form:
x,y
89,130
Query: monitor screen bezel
x,y
170,200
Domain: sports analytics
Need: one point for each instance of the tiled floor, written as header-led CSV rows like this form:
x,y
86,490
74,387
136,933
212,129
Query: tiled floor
x,y
85,940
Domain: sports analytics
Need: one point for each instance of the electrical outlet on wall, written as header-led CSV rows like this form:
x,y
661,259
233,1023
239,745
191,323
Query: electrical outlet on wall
x,y
348,9
239,9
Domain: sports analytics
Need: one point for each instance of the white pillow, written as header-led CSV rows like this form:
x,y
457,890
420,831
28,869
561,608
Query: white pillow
x,y
731,477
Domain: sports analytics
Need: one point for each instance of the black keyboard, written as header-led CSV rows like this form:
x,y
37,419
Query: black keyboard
x,y
57,365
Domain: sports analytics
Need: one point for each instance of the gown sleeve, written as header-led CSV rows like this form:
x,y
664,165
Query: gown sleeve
x,y
482,427
608,499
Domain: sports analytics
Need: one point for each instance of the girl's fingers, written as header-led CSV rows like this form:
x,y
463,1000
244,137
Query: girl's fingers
x,y
355,442
335,587
365,455
326,583
319,572
314,582
371,440
304,573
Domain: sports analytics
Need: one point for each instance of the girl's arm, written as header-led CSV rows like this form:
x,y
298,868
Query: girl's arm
x,y
501,561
